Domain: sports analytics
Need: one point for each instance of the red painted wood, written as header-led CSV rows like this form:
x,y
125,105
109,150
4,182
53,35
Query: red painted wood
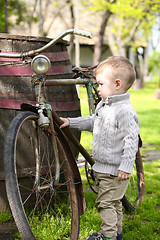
x,y
27,70
53,56
57,106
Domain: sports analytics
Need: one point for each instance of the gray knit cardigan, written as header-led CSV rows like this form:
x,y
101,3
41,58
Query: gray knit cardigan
x,y
115,128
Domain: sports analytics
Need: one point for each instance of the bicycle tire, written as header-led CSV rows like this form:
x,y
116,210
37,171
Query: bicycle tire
x,y
136,188
51,212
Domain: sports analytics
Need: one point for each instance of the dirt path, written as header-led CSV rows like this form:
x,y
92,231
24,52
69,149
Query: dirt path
x,y
7,231
151,154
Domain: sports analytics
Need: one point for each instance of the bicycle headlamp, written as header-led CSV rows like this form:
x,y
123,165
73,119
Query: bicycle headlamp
x,y
40,64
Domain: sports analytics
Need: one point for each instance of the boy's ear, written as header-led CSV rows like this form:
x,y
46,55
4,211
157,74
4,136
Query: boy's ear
x,y
118,83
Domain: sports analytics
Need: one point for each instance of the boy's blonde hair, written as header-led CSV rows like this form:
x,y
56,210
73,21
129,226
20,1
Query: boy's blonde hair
x,y
121,69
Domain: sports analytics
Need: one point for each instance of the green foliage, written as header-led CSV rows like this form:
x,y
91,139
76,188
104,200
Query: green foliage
x,y
16,9
148,110
49,222
5,217
101,5
154,62
86,137
144,222
131,20
2,16
56,4
136,21
17,236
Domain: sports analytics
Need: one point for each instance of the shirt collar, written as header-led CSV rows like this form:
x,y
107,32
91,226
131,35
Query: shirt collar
x,y
117,98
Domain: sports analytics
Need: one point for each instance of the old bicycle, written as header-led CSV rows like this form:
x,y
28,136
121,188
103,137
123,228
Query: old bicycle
x,y
54,187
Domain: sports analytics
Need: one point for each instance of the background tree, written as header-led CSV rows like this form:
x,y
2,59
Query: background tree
x,y
39,14
131,28
128,27
45,13
154,69
154,65
11,13
104,9
72,16
5,17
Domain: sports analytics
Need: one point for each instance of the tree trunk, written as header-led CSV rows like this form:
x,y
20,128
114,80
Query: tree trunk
x,y
6,16
71,42
41,20
139,77
100,37
144,63
127,51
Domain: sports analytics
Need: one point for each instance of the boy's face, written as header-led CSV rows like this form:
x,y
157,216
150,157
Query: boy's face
x,y
107,85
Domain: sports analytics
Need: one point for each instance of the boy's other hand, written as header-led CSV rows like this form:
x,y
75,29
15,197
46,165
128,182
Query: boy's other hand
x,y
123,176
65,122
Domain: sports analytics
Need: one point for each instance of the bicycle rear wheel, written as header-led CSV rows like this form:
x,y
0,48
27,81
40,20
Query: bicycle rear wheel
x,y
42,208
136,188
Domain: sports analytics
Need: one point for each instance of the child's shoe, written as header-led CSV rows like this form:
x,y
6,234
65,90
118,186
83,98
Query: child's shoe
x,y
97,236
119,236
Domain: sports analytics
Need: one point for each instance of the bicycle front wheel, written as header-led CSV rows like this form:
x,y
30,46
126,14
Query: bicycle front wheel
x,y
42,207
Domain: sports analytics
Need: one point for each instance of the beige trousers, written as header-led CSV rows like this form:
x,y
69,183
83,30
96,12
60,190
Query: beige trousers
x,y
110,192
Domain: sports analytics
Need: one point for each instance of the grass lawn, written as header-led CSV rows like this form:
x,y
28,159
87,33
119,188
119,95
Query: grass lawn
x,y
144,222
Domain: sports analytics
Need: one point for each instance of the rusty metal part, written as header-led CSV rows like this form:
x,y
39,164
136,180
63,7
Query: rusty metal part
x,y
57,82
14,64
31,171
48,130
141,176
84,72
88,178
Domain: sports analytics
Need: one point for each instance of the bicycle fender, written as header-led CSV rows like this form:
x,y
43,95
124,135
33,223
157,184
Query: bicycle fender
x,y
74,169
29,107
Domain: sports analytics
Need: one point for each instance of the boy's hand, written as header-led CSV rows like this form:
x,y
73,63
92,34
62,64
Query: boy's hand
x,y
65,123
123,176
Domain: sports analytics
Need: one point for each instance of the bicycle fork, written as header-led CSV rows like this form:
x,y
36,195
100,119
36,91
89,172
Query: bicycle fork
x,y
46,124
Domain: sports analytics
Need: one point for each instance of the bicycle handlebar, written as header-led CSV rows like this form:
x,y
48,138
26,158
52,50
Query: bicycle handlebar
x,y
51,43
82,33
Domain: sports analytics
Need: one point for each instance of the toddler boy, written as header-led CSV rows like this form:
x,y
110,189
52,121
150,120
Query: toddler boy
x,y
115,130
